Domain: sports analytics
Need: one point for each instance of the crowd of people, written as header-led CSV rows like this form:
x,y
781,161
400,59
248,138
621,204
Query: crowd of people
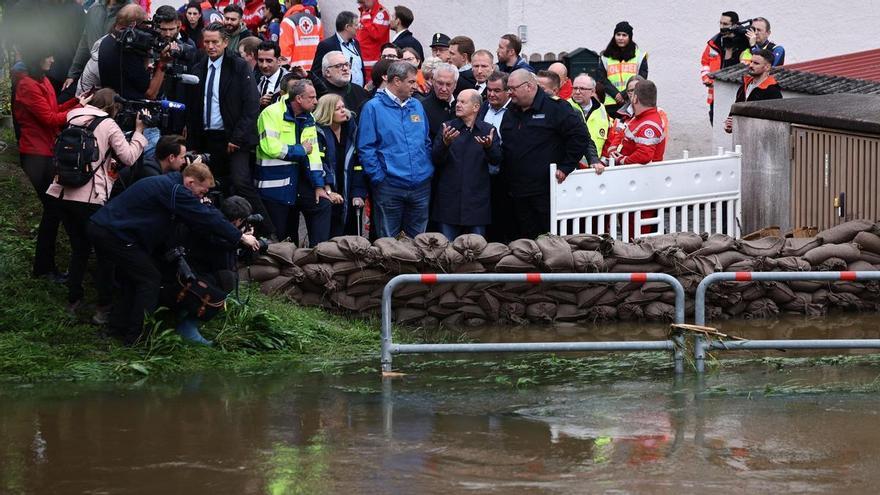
x,y
352,125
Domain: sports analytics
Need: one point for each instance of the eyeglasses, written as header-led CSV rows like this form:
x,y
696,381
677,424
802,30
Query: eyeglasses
x,y
389,57
579,88
343,65
511,89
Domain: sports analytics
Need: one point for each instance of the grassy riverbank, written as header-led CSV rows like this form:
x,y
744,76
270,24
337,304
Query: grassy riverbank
x,y
39,341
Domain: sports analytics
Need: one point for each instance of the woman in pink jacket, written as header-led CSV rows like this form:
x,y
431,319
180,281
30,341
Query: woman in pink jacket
x,y
79,203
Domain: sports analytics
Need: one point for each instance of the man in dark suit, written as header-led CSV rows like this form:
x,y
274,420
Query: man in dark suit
x,y
222,116
345,41
400,23
439,104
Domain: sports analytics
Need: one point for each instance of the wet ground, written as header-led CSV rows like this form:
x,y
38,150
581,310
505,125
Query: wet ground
x,y
480,424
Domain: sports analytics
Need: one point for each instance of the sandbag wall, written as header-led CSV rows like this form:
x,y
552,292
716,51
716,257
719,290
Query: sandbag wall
x,y
347,274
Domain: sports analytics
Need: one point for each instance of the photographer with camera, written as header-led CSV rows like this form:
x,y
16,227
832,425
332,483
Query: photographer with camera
x,y
177,72
727,48
85,193
124,54
197,258
129,229
171,156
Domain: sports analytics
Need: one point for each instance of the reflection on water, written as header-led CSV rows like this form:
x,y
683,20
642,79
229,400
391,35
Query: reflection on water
x,y
446,429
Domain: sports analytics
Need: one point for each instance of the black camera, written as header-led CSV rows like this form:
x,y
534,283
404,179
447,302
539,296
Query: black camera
x,y
740,28
159,110
143,40
192,156
251,222
177,255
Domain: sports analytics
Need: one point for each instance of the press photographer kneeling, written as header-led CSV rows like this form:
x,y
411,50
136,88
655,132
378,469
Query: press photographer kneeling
x,y
200,269
128,231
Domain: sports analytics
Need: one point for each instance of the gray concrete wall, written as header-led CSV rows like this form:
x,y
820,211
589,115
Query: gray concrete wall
x,y
725,95
766,172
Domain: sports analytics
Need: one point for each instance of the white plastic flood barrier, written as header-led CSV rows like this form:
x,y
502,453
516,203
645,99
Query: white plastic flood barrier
x,y
688,195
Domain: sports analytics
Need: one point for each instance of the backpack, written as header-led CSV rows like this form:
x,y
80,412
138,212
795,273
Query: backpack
x,y
76,148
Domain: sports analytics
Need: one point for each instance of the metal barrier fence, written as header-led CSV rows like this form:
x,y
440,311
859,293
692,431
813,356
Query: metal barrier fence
x,y
389,348
701,345
699,194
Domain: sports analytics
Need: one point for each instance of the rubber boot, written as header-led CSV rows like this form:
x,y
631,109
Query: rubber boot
x,y
188,329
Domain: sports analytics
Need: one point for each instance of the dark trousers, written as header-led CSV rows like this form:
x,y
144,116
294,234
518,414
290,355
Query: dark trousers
x,y
503,228
39,170
532,215
139,278
344,220
75,216
286,218
234,173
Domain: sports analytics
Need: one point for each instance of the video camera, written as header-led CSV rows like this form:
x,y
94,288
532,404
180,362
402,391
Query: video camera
x,y
251,222
177,255
143,39
740,28
159,110
192,156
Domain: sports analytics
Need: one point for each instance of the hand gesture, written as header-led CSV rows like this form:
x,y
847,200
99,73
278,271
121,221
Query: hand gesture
x,y
139,125
357,202
752,36
449,134
560,176
250,241
307,145
336,198
266,99
486,141
321,193
619,98
598,167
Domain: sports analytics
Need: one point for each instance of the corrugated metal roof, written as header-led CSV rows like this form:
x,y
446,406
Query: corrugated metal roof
x,y
859,65
805,82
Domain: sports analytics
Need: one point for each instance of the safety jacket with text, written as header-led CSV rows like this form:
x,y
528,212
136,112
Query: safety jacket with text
x,y
713,57
619,72
300,34
644,139
281,154
375,26
596,122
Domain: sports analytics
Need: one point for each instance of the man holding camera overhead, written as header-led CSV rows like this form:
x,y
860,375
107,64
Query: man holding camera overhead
x,y
121,64
222,115
727,48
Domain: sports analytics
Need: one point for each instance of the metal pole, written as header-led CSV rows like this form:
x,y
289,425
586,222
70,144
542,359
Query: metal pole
x,y
386,323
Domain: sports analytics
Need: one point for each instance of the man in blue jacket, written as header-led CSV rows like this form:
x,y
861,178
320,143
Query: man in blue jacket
x,y
128,230
395,151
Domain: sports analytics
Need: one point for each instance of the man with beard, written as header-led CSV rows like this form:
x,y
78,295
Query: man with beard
x,y
235,28
758,84
336,72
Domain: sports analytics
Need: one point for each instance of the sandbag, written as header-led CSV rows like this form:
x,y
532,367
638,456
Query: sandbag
x,y
513,264
559,296
514,312
760,309
450,259
846,252
431,245
365,289
407,316
630,312
766,246
806,285
440,312
870,257
344,301
393,250
266,260
778,292
368,276
570,313
746,265
638,268
461,290
670,256
868,242
354,247
311,299
590,242
282,251
451,301
588,261
850,287
262,273
293,293
472,267
716,243
845,300
419,302
792,264
492,253
798,246
844,232
470,246
320,274
727,258
658,311
275,285
556,253
641,298
589,296
832,265
490,304
697,265
410,290
860,266
329,252
348,267
602,313
305,256
527,250
632,253
368,303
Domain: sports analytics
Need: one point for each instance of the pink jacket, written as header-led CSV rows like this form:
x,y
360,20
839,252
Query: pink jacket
x,y
109,136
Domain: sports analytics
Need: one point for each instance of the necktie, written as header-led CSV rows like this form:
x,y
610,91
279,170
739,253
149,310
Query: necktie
x,y
209,100
264,85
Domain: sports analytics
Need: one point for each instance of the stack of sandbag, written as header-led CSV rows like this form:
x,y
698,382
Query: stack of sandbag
x,y
348,274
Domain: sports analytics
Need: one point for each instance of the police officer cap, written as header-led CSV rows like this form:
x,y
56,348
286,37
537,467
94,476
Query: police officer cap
x,y
440,39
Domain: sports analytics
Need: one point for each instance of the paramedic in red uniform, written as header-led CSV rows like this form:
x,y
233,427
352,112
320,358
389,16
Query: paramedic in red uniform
x,y
644,139
375,28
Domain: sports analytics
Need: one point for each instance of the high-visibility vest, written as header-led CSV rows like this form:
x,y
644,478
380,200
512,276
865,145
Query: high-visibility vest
x,y
300,34
280,153
619,71
597,123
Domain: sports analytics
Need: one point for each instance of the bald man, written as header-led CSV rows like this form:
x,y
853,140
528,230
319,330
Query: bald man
x,y
465,153
561,70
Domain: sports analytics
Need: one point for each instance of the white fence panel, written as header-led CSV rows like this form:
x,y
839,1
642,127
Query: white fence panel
x,y
689,195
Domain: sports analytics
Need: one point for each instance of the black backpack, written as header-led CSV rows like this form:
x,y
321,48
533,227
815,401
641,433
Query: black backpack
x,y
76,148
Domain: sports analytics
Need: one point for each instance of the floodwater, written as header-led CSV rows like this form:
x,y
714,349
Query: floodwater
x,y
475,424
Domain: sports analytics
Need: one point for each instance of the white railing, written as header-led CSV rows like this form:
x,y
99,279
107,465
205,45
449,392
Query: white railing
x,y
688,195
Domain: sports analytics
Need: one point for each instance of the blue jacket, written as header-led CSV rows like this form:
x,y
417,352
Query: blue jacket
x,y
142,214
393,142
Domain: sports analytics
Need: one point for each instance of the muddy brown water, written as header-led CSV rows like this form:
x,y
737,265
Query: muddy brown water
x,y
458,425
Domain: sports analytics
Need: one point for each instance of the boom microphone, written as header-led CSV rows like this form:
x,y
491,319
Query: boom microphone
x,y
188,79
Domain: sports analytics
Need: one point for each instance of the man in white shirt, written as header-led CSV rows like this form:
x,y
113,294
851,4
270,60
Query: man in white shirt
x,y
270,72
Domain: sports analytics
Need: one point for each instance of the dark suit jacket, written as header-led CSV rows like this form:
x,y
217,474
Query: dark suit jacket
x,y
466,80
406,39
239,103
438,112
331,44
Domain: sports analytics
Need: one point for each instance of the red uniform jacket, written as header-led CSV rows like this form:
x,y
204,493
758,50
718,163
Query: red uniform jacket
x,y
375,25
644,140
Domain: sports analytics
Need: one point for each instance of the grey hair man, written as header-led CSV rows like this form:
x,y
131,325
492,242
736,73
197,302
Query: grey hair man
x,y
336,72
439,103
585,101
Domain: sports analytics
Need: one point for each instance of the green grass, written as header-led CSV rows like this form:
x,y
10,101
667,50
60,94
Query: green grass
x,y
39,341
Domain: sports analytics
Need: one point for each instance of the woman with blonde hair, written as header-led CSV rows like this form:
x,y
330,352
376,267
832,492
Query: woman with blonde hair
x,y
344,176
78,204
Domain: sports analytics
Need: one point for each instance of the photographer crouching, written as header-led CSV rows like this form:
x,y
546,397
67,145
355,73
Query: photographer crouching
x,y
128,230
201,267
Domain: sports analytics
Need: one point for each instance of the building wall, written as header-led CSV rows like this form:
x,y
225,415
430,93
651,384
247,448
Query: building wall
x,y
766,172
725,96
